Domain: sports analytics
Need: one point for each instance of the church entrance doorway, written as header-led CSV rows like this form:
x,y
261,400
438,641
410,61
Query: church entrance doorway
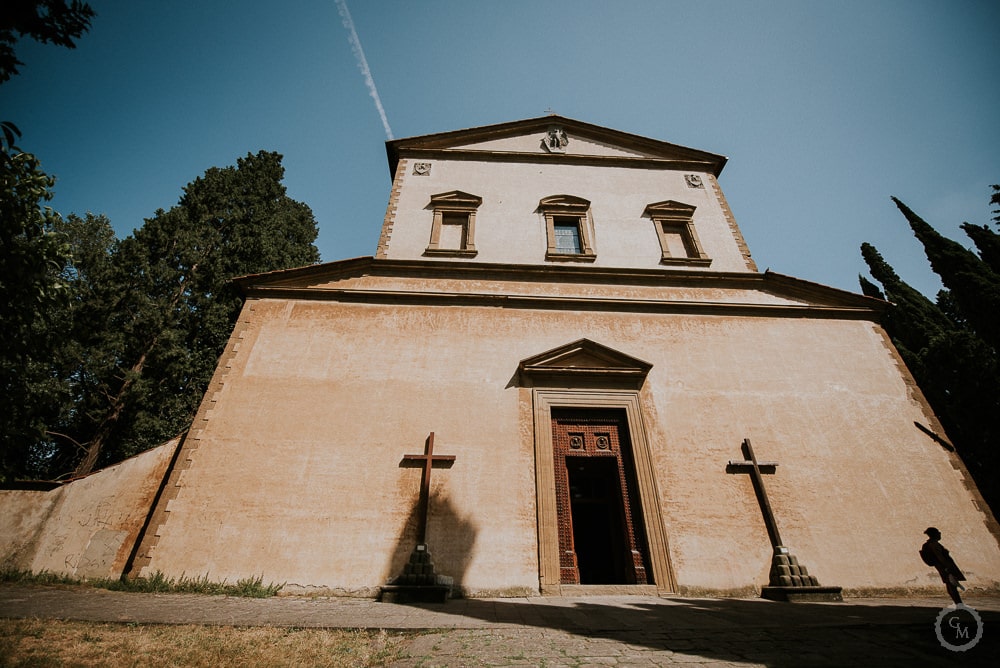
x,y
601,536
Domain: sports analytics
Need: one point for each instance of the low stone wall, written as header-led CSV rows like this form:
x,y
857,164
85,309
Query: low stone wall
x,y
84,528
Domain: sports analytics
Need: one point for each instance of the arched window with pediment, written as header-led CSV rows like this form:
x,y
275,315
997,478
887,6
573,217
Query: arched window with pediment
x,y
674,223
453,230
568,228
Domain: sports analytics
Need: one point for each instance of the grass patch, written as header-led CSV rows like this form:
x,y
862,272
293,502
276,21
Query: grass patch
x,y
43,578
253,587
33,642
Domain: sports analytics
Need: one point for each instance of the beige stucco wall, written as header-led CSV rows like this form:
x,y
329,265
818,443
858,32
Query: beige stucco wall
x,y
297,476
87,527
296,473
510,229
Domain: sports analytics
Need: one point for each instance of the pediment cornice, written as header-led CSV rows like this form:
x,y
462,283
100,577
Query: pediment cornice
x,y
670,208
457,198
648,151
583,359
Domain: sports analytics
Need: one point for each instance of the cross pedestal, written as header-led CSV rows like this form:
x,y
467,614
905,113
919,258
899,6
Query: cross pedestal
x,y
788,580
419,583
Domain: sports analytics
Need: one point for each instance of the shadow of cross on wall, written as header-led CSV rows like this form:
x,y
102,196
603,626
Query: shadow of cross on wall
x,y
427,462
452,533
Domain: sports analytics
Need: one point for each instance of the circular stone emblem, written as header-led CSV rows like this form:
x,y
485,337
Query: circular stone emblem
x,y
954,627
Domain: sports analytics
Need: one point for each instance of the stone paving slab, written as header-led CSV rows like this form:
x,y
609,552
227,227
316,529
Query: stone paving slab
x,y
559,631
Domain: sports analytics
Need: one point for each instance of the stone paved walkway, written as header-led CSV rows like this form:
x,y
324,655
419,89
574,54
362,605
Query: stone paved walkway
x,y
584,631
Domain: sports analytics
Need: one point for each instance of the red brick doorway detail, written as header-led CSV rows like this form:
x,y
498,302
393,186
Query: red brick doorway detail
x,y
601,536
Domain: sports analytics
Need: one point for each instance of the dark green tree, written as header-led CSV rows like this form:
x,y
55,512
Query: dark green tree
x,y
987,241
32,256
973,286
47,21
87,350
915,320
995,200
950,345
159,308
32,253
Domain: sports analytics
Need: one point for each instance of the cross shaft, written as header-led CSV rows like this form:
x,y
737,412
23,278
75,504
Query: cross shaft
x,y
754,468
427,462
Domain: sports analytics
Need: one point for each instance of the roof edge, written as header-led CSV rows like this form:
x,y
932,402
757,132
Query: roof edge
x,y
440,140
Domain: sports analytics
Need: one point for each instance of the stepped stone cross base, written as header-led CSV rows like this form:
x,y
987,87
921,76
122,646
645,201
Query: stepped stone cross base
x,y
790,581
418,583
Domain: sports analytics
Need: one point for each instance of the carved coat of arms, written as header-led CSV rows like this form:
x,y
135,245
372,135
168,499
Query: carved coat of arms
x,y
555,140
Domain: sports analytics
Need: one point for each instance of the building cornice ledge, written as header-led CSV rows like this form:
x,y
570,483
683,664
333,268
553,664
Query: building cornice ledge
x,y
289,283
562,303
561,158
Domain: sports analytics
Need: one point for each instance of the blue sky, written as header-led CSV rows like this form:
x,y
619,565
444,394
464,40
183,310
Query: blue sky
x,y
824,109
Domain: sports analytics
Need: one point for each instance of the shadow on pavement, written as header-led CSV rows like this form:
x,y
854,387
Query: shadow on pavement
x,y
754,630
620,630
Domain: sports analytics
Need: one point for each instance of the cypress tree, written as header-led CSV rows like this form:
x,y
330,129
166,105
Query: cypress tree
x,y
914,320
987,243
974,287
946,344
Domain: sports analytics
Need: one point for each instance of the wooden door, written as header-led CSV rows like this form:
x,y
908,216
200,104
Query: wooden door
x,y
601,539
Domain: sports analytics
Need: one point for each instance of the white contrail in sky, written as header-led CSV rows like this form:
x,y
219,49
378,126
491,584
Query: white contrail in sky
x,y
359,53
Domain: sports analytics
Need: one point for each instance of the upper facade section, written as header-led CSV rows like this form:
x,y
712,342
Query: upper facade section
x,y
552,191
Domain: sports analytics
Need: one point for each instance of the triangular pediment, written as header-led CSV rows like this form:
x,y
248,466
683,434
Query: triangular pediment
x,y
584,358
671,209
456,197
554,137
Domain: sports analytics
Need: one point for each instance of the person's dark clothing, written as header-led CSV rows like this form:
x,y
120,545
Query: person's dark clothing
x,y
934,554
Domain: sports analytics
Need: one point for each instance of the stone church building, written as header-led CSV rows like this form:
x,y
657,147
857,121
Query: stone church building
x,y
571,318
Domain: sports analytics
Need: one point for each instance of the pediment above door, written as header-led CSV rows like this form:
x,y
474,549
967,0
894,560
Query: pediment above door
x,y
583,361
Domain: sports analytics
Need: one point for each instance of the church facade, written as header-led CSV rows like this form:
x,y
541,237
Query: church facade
x,y
571,317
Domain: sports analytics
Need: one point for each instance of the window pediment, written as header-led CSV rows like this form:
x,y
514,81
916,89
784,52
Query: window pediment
x,y
569,229
564,204
674,223
456,199
670,209
453,228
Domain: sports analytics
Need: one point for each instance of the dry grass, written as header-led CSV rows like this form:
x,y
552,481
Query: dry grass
x,y
251,587
33,642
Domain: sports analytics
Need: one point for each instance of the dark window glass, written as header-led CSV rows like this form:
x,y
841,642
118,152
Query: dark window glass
x,y
567,231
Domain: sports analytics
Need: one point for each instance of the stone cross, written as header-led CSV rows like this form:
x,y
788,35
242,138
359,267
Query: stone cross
x,y
788,580
755,469
427,461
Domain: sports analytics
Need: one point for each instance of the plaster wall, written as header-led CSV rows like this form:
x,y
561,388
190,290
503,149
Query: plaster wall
x,y
510,229
87,527
297,473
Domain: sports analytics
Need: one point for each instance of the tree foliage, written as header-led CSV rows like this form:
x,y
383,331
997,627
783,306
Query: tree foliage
x,y
951,345
33,253
107,345
47,21
121,337
151,313
32,256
